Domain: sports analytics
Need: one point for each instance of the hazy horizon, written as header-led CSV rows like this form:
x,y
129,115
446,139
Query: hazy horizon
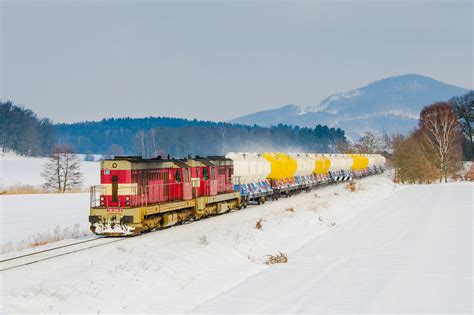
x,y
79,61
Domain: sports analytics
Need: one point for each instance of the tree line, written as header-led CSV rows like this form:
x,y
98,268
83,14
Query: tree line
x,y
22,131
433,151
176,137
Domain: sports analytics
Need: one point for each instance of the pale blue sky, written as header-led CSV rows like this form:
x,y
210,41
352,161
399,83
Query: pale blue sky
x,y
78,60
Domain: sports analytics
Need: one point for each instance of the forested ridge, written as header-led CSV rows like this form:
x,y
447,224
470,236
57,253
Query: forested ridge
x,y
25,133
179,137
22,131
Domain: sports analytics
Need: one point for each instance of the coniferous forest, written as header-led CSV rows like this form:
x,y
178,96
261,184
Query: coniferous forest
x,y
25,133
22,131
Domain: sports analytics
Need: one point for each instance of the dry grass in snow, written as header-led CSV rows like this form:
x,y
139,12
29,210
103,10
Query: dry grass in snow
x,y
38,239
280,258
351,186
290,209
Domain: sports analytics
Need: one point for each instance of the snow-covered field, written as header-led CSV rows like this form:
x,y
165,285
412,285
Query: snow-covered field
x,y
24,216
383,248
18,170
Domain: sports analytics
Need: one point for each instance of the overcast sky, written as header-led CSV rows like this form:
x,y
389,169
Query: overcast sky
x,y
85,60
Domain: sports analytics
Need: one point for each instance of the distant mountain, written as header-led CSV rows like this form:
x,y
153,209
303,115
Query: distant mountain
x,y
391,105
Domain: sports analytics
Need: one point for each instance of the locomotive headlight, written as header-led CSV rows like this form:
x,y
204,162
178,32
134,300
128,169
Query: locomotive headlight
x,y
101,198
127,198
127,203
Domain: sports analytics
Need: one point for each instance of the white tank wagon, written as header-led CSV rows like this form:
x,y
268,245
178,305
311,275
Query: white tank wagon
x,y
347,163
263,167
335,165
305,165
253,167
340,168
250,176
372,160
376,162
241,168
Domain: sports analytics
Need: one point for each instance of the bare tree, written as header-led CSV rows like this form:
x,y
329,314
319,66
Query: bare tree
x,y
344,146
463,107
386,144
368,143
412,163
440,130
63,170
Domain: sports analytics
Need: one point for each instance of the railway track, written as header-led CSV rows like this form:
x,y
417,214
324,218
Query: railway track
x,y
31,258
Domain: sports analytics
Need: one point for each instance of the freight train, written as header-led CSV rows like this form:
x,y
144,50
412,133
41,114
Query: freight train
x,y
138,195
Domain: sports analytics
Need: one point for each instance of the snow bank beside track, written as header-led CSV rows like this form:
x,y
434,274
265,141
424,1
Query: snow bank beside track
x,y
25,216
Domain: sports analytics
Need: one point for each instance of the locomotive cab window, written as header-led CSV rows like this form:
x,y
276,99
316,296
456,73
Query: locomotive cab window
x,y
177,176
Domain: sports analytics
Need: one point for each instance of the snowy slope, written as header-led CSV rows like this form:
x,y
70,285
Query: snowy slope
x,y
18,170
412,253
352,248
40,213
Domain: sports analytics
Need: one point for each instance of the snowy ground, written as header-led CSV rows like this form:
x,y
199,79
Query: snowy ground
x,y
42,216
18,170
411,253
384,248
40,213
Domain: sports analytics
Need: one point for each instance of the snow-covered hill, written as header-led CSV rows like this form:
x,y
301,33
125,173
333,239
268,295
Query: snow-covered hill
x,y
391,105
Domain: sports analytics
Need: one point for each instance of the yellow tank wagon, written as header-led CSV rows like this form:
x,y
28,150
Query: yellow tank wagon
x,y
360,164
281,177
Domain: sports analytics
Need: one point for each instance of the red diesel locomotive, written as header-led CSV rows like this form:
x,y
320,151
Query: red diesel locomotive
x,y
138,194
